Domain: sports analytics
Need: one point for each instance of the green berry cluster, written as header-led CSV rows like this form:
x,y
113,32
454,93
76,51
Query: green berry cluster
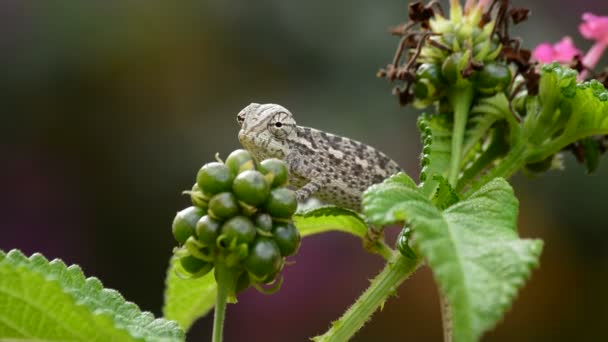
x,y
241,217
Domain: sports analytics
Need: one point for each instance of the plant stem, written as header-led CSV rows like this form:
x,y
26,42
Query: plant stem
x,y
461,102
497,148
446,318
219,315
225,285
514,160
384,285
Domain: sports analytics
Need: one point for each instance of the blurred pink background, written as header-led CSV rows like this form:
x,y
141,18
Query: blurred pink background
x,y
110,107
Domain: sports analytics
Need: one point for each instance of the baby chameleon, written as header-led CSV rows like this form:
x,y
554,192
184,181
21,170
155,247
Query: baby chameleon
x,y
332,168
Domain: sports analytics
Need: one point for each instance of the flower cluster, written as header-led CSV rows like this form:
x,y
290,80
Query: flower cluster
x,y
469,48
593,28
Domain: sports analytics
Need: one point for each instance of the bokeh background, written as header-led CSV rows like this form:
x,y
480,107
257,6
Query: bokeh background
x,y
108,109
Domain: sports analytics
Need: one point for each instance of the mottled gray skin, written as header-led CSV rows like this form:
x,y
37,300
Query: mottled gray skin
x,y
332,168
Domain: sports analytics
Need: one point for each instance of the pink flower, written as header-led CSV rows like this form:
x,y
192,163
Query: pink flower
x,y
561,52
594,27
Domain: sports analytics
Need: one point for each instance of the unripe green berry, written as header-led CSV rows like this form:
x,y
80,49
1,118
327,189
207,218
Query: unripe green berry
x,y
239,229
277,169
242,282
281,203
240,160
198,198
214,178
287,238
194,265
264,258
223,206
263,221
492,78
207,230
251,187
184,223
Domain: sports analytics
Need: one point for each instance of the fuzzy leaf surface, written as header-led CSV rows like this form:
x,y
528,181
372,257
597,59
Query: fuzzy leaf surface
x,y
472,248
564,112
187,300
48,301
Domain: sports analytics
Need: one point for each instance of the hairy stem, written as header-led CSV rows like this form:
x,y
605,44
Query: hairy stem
x,y
461,102
384,285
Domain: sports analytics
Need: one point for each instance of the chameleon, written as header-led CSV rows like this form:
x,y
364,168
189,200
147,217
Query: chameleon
x,y
329,167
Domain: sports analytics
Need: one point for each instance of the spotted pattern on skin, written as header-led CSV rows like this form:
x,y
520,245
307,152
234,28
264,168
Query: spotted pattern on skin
x,y
332,168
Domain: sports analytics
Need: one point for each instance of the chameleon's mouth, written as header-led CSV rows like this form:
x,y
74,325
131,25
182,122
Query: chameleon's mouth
x,y
243,138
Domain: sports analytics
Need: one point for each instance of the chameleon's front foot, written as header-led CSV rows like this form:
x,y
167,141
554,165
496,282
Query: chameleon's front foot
x,y
373,242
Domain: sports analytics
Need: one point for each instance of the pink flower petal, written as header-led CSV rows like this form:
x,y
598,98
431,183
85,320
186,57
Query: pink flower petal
x,y
594,27
563,51
544,53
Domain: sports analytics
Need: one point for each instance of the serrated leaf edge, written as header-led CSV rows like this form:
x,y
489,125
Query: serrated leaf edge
x,y
89,292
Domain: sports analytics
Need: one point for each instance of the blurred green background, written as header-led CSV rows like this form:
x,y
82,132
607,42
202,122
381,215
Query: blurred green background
x,y
110,107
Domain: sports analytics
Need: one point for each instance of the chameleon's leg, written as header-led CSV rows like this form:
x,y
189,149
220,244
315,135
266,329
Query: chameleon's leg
x,y
308,190
298,168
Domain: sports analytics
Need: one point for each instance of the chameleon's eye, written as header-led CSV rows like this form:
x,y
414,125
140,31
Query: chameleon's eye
x,y
281,125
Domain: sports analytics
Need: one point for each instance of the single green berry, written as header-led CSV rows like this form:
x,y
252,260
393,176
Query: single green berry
x,y
264,258
207,230
277,168
281,203
424,90
403,243
452,67
184,223
250,187
214,178
272,276
223,206
240,160
193,265
263,221
492,78
242,282
198,198
287,238
430,72
239,228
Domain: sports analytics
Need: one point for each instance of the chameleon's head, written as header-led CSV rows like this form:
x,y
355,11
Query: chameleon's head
x,y
266,130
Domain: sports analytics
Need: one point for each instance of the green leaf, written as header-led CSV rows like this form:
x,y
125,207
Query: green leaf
x,y
187,300
445,195
42,300
472,248
330,218
391,202
477,257
483,115
565,112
